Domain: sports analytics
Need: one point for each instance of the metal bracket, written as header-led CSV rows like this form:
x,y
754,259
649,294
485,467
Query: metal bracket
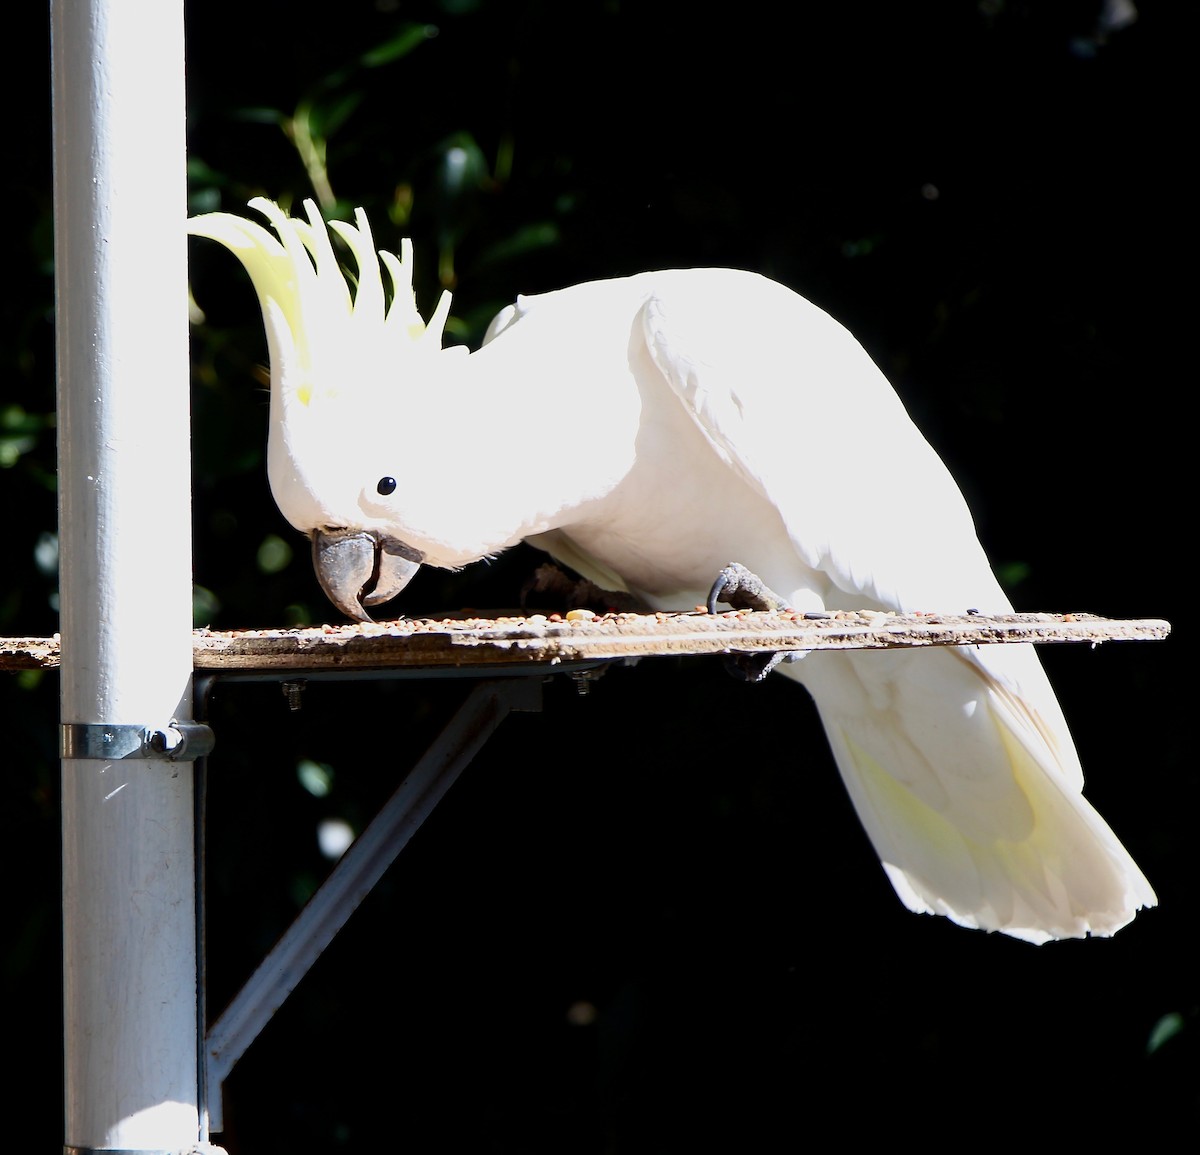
x,y
179,742
353,878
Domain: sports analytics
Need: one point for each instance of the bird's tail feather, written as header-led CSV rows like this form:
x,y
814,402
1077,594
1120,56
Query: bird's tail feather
x,y
966,780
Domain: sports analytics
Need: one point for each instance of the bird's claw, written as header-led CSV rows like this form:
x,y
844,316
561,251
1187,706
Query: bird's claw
x,y
742,589
738,587
753,667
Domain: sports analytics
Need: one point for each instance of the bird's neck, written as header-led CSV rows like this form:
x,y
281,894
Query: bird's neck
x,y
532,465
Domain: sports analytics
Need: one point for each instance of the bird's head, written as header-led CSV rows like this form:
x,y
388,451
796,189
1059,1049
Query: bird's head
x,y
334,423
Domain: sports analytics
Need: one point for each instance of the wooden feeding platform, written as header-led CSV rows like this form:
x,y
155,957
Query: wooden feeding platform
x,y
478,643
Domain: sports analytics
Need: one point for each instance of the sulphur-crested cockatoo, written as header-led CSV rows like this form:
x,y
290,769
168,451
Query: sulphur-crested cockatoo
x,y
648,431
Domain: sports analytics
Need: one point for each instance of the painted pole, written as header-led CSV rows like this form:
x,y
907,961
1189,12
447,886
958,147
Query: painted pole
x,y
129,941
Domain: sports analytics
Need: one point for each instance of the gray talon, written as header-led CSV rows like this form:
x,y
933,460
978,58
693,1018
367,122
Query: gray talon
x,y
742,589
738,587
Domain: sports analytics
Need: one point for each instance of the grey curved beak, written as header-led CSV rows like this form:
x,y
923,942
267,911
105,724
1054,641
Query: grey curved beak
x,y
358,568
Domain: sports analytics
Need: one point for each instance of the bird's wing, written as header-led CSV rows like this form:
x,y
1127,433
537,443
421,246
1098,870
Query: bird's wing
x,y
796,406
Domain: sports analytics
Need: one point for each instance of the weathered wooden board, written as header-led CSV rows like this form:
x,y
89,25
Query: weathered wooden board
x,y
580,636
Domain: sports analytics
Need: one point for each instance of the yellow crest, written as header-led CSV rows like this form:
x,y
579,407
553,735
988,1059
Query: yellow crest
x,y
324,339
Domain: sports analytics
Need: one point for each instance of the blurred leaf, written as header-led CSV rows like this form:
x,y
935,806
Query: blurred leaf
x,y
205,605
1165,1029
45,554
529,239
461,177
12,447
1012,573
409,37
261,116
19,433
322,118
274,554
297,614
315,777
462,167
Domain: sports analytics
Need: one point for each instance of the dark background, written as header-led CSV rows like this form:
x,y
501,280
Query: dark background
x,y
647,919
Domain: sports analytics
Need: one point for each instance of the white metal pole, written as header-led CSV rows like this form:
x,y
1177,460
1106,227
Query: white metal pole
x,y
129,941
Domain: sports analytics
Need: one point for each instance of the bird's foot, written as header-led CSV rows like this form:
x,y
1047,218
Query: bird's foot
x,y
753,667
738,587
742,589
574,593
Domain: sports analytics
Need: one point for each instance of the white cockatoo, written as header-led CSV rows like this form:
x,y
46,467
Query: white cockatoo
x,y
648,431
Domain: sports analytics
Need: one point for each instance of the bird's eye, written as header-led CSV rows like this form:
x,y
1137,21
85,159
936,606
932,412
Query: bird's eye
x,y
386,485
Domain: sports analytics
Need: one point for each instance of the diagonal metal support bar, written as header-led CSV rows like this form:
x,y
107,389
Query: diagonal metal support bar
x,y
358,870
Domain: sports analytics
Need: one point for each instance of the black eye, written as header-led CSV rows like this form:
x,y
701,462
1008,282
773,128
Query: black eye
x,y
386,485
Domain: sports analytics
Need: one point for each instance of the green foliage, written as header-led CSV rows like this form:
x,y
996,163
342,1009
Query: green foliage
x,y
19,433
274,554
1166,1029
315,777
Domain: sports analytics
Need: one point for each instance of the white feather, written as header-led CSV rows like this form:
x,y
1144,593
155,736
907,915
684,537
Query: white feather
x,y
648,431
